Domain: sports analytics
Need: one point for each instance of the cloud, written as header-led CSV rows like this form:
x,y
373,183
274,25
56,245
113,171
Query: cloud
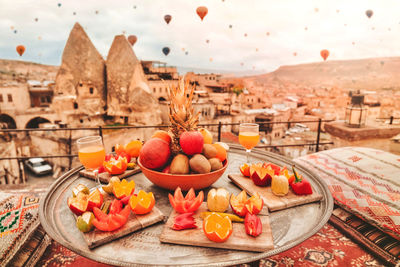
x,y
302,27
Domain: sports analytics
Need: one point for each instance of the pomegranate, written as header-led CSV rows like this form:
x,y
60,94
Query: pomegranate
x,y
155,153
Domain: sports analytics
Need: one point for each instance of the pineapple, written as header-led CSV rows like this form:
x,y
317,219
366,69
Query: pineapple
x,y
181,112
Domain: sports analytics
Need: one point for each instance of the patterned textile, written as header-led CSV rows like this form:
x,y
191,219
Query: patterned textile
x,y
363,181
57,255
19,227
377,242
328,247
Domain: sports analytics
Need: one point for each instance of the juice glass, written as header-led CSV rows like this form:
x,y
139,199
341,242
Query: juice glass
x,y
91,153
248,137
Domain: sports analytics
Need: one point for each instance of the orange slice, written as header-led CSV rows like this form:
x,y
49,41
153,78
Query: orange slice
x,y
217,228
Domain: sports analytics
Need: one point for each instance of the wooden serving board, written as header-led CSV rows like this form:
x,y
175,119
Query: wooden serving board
x,y
238,240
272,201
135,222
105,176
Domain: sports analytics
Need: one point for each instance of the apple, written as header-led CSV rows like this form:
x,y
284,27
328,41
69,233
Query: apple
x,y
191,142
238,203
261,176
254,204
167,169
95,199
78,204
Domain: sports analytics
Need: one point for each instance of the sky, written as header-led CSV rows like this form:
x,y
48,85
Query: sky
x,y
264,34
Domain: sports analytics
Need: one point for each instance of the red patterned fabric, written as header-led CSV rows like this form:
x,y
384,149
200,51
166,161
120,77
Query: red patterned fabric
x,y
328,247
363,181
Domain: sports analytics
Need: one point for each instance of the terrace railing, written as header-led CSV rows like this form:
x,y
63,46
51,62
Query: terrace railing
x,y
100,130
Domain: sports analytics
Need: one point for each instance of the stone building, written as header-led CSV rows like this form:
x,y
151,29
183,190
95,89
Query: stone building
x,y
160,77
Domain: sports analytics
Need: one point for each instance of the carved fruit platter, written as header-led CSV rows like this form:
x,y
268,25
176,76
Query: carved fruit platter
x,y
289,226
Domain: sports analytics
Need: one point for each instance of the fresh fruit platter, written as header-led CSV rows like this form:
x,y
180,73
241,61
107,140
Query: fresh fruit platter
x,y
184,150
103,217
201,228
225,221
277,186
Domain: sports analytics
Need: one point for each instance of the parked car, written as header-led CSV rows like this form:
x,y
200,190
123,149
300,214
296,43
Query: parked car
x,y
38,166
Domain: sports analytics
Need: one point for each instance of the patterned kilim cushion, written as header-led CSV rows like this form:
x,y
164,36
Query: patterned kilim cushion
x,y
363,181
19,220
380,244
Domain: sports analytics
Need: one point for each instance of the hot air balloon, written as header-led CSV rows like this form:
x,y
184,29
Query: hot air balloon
x,y
132,39
324,54
167,18
202,11
369,13
20,49
165,50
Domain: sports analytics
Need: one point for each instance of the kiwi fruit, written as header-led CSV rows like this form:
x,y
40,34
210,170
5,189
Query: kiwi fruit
x,y
215,163
199,164
180,164
209,151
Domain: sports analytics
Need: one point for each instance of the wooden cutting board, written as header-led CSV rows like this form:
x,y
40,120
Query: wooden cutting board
x,y
105,176
135,222
272,201
239,240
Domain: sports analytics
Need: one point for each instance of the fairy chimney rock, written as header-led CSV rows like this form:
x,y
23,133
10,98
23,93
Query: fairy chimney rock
x,y
80,85
128,94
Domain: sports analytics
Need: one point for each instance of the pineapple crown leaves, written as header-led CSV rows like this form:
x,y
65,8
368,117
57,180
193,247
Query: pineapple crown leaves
x,y
181,111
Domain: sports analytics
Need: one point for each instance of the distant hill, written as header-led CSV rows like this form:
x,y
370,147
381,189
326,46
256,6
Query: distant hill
x,y
363,74
29,70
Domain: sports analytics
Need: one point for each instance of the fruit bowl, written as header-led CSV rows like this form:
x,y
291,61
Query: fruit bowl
x,y
184,181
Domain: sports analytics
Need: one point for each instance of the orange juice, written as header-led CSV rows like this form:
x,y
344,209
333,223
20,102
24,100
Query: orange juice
x,y
92,157
248,139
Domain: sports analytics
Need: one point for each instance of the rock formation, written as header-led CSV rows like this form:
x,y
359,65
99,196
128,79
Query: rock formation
x,y
127,92
80,85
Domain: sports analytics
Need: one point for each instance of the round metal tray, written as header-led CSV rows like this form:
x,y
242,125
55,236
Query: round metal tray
x,y
289,227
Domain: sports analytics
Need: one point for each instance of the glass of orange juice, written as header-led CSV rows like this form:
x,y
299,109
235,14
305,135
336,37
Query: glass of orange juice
x,y
248,137
91,153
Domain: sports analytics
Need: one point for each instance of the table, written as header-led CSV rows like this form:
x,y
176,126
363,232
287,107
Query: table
x,y
289,227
